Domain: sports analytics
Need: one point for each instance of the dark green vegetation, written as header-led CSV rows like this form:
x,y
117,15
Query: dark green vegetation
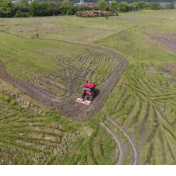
x,y
50,8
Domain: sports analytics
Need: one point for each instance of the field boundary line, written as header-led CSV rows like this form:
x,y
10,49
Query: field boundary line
x,y
63,40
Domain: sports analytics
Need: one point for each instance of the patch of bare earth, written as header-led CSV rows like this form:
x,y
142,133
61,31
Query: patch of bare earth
x,y
169,42
169,66
151,70
69,107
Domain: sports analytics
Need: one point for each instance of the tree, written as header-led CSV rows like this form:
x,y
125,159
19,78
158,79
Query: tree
x,y
66,8
134,6
21,7
123,6
155,6
34,8
47,8
25,2
170,6
113,6
102,4
141,4
6,8
21,14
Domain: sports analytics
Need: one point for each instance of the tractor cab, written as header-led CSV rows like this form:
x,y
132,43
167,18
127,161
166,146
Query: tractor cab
x,y
89,92
89,88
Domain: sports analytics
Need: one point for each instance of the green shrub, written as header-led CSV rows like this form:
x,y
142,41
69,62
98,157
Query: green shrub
x,y
69,12
123,6
102,4
113,6
21,14
6,98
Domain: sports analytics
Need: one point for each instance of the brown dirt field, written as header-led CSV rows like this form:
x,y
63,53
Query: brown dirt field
x,y
70,108
169,66
170,42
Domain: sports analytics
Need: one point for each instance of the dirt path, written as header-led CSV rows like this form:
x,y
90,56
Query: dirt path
x,y
129,139
120,152
68,107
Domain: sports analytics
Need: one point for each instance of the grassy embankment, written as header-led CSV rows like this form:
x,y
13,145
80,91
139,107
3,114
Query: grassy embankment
x,y
144,100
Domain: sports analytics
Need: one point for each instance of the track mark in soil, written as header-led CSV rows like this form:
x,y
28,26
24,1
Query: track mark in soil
x,y
120,152
69,107
168,42
142,129
135,154
91,150
152,135
150,154
162,147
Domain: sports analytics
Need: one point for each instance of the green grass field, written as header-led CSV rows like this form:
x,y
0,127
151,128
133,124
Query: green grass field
x,y
45,137
56,67
143,102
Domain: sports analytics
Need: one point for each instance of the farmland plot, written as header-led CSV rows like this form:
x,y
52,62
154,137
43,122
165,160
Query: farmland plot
x,y
139,116
58,69
29,137
66,28
145,104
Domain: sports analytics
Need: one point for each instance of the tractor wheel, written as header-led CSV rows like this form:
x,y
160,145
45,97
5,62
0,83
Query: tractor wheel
x,y
82,95
90,97
97,92
86,97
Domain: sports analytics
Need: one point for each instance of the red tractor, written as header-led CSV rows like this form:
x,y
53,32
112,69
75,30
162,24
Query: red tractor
x,y
88,94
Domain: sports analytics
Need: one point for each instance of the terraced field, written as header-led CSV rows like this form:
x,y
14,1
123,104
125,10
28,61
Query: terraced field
x,y
44,91
136,124
144,104
56,68
66,28
27,137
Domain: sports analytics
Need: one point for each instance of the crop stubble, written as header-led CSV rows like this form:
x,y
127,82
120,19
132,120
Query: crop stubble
x,y
68,107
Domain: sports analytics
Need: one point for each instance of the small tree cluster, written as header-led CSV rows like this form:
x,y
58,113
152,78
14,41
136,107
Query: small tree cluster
x,y
169,6
123,6
150,5
50,8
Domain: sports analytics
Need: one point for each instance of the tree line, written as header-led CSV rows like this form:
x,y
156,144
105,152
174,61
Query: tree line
x,y
53,8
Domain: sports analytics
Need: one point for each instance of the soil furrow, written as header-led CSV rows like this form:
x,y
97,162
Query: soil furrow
x,y
68,107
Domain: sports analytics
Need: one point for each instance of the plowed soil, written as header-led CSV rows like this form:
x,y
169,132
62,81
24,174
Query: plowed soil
x,y
68,107
170,42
